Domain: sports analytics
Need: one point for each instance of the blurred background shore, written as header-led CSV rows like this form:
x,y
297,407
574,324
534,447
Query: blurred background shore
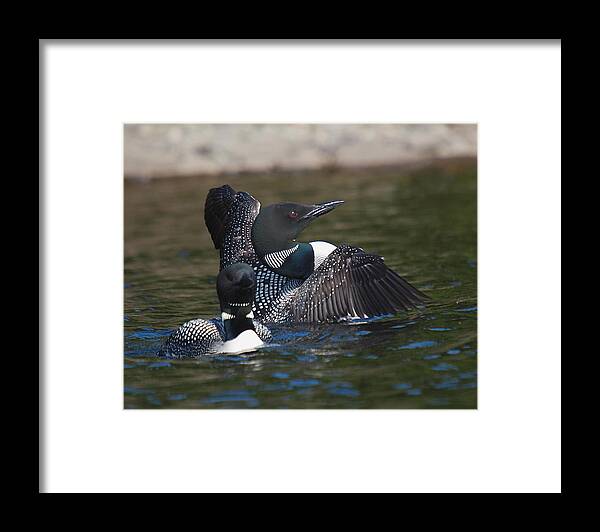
x,y
175,150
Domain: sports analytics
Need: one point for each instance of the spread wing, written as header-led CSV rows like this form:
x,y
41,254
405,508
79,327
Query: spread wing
x,y
216,209
229,216
353,284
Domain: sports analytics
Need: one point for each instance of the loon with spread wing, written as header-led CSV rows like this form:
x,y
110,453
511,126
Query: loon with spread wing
x,y
302,282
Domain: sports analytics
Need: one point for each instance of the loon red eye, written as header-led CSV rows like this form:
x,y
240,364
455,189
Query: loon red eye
x,y
293,215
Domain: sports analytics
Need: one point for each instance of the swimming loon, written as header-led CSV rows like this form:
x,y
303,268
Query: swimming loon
x,y
302,282
235,332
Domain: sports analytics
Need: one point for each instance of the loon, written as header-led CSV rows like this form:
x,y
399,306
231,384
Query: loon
x,y
235,332
302,282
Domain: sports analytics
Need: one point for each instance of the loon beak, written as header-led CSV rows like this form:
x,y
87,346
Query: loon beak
x,y
320,209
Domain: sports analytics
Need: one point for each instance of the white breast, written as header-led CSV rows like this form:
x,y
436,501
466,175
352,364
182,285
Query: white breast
x,y
321,251
245,341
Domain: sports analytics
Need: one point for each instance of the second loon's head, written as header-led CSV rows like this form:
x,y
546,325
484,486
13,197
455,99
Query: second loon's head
x,y
236,287
281,223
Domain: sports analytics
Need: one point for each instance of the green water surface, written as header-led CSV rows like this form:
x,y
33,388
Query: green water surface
x,y
423,221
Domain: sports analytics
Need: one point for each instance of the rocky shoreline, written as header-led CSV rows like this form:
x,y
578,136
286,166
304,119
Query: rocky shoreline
x,y
164,150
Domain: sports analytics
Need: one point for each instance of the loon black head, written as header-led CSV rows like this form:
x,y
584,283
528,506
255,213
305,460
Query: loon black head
x,y
236,287
278,225
274,233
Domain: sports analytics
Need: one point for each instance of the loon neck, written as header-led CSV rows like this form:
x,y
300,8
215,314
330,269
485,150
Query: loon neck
x,y
267,241
296,261
291,259
236,325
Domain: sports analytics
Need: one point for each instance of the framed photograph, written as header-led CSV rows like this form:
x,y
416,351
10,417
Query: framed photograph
x,y
300,266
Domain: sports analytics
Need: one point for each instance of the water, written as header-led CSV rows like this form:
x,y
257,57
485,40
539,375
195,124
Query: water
x,y
422,221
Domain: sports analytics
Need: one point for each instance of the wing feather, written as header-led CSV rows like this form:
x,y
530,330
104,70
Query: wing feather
x,y
229,216
351,283
216,211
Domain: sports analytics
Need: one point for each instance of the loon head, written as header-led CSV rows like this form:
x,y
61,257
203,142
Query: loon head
x,y
236,287
277,225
